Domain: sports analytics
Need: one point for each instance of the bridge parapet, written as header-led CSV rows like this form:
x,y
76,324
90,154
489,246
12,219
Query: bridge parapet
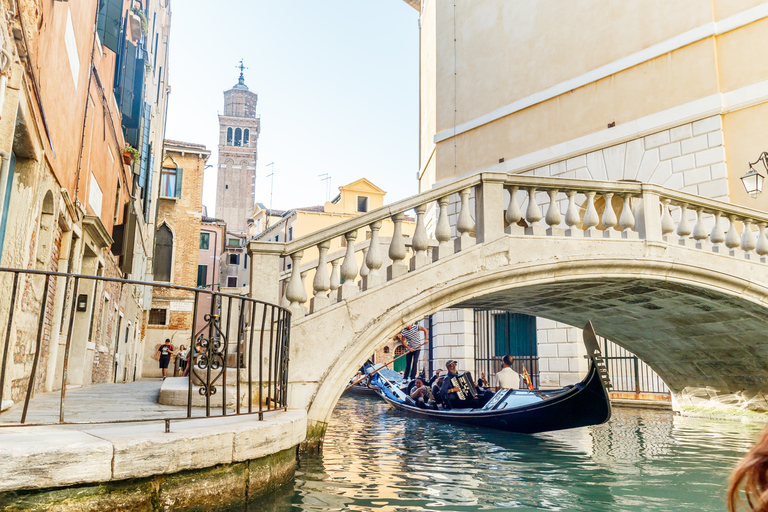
x,y
492,205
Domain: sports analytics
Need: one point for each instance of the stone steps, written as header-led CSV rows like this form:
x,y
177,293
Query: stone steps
x,y
175,390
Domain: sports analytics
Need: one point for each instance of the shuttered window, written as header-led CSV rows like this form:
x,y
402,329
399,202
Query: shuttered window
x,y
109,22
163,254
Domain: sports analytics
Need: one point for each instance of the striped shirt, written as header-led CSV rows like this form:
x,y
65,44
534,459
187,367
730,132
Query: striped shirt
x,y
412,336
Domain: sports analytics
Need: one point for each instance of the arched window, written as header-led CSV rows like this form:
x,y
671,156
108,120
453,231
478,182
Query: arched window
x,y
229,136
163,254
386,350
238,137
246,137
399,350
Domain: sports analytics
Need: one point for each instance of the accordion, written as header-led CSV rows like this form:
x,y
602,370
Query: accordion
x,y
466,385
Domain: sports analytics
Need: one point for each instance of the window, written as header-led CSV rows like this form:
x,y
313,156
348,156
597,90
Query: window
x,y
204,240
157,316
386,350
108,23
229,136
163,254
246,137
202,276
234,259
232,282
245,261
362,203
399,350
238,137
170,182
290,234
234,242
277,238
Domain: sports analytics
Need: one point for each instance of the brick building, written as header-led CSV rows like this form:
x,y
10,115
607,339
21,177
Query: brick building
x,y
179,216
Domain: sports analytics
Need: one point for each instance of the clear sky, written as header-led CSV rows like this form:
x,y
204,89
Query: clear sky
x,y
337,82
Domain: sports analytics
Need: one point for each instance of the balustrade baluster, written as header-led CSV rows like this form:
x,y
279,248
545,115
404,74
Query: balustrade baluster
x,y
335,280
295,291
553,217
373,258
748,240
717,235
304,297
513,214
732,238
321,284
591,218
609,216
465,224
684,226
420,242
762,240
667,224
442,231
533,212
349,269
397,250
699,229
572,218
627,218
364,270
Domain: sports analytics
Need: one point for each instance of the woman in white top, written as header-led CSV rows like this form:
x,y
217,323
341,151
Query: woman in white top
x,y
507,378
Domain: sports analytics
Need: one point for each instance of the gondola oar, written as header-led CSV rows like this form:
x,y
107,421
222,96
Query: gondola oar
x,y
361,379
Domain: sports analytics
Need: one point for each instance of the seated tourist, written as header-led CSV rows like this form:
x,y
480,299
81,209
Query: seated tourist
x,y
507,378
420,393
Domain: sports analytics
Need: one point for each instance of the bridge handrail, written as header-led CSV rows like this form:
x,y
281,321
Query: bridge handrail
x,y
646,213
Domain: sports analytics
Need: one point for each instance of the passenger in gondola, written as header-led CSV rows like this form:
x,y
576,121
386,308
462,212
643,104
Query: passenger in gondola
x,y
438,397
450,393
421,394
507,378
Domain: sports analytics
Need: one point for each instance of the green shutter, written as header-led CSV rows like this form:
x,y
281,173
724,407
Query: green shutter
x,y
109,23
179,172
126,91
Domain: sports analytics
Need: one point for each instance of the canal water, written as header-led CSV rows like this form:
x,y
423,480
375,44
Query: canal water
x,y
642,460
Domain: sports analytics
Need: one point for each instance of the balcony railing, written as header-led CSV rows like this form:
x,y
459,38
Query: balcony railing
x,y
237,360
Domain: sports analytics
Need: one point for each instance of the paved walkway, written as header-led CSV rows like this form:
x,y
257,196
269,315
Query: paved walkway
x,y
100,403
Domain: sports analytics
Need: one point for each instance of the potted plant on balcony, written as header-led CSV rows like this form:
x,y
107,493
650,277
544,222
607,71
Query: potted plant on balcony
x,y
130,155
137,22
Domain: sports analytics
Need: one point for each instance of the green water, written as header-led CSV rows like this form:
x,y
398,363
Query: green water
x,y
377,459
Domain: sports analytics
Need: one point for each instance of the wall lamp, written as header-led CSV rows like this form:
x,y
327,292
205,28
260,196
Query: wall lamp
x,y
753,180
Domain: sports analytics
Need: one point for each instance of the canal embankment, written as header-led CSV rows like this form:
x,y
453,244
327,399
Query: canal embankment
x,y
208,463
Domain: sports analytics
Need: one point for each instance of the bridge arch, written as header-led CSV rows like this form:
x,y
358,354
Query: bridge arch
x,y
688,315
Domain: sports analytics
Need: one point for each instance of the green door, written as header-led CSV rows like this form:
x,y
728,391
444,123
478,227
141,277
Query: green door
x,y
400,363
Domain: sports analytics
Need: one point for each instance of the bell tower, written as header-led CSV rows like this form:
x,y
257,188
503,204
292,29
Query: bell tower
x,y
238,133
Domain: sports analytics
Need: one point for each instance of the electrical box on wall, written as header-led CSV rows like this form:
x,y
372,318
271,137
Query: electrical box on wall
x,y
82,302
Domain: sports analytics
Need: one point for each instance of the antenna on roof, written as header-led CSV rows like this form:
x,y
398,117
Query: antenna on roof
x,y
327,179
271,189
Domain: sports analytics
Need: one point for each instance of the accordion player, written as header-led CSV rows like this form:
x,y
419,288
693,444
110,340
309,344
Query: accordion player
x,y
466,389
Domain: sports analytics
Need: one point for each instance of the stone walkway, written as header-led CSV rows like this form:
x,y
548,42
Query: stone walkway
x,y
101,403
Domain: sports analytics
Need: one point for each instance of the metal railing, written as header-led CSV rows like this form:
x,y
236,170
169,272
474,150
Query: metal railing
x,y
224,331
628,373
487,362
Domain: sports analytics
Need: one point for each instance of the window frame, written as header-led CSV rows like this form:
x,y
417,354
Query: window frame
x,y
207,240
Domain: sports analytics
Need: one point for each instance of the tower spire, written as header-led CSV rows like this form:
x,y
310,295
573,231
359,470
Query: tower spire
x,y
241,67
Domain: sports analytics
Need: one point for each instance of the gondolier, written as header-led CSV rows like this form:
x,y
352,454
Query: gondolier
x,y
410,338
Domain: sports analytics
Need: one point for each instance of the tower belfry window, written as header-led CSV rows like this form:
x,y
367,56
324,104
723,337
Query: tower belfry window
x,y
246,137
229,136
238,137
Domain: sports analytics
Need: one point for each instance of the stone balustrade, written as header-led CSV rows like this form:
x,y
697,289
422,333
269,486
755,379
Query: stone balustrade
x,y
492,205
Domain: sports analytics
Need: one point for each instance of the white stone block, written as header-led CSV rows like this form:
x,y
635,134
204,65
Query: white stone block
x,y
698,143
449,340
714,189
584,174
549,380
557,335
558,364
576,162
708,125
662,173
547,350
656,140
669,151
441,329
675,182
574,364
715,139
632,158
567,350
545,323
543,365
696,176
718,171
569,379
573,335
680,133
647,165
690,189
710,156
596,167
614,161
458,327
684,163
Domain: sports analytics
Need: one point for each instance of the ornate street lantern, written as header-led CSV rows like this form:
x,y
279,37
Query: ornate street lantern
x,y
753,180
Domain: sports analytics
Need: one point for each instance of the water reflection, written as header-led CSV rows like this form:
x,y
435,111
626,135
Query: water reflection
x,y
376,459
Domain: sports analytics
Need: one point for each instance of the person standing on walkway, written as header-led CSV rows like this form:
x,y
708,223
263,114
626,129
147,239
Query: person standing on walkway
x,y
411,339
165,350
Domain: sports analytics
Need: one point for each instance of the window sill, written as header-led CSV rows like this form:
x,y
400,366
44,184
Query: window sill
x,y
168,198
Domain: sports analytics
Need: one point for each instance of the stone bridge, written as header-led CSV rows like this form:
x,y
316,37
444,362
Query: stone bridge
x,y
680,280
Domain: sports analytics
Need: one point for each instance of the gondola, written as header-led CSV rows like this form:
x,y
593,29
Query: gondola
x,y
528,412
365,388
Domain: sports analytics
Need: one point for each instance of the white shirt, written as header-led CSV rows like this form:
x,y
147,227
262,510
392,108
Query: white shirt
x,y
508,378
